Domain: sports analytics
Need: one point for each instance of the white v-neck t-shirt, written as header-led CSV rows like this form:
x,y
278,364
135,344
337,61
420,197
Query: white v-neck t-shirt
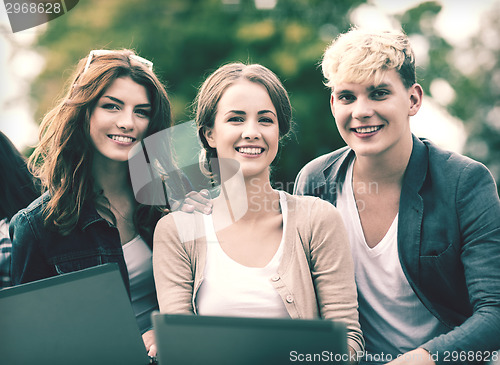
x,y
232,289
392,318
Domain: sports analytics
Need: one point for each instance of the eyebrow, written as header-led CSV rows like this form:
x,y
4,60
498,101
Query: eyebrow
x,y
383,85
337,92
266,111
369,88
241,112
116,100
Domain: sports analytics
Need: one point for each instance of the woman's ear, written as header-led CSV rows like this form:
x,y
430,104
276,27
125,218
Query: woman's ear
x,y
209,136
416,95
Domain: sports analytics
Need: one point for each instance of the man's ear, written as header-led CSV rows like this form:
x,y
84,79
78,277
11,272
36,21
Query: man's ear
x,y
208,133
416,94
332,108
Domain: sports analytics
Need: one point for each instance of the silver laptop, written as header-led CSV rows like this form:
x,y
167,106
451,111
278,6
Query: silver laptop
x,y
189,339
80,318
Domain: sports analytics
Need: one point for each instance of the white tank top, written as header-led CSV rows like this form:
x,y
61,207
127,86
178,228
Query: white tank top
x,y
392,318
142,286
232,289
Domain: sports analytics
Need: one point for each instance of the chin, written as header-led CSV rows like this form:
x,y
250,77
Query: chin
x,y
367,151
118,158
255,174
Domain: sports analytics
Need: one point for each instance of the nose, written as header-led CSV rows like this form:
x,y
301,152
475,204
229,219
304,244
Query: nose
x,y
125,120
251,130
362,108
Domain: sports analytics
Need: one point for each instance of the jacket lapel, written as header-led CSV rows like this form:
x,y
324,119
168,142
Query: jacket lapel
x,y
334,174
411,208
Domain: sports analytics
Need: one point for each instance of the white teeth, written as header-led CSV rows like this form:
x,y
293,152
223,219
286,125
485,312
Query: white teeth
x,y
122,139
250,150
367,129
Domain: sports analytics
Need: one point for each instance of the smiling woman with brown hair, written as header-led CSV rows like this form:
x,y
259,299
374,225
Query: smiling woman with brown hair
x,y
88,215
262,252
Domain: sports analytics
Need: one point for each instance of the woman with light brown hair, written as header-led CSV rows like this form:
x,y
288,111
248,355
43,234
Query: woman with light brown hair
x,y
88,215
262,252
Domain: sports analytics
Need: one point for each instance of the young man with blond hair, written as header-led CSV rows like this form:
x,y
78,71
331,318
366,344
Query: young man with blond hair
x,y
424,223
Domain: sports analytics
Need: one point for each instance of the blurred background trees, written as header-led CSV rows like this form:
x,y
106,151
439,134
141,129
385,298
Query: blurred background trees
x,y
187,39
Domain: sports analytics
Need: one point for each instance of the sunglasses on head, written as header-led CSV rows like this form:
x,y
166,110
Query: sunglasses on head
x,y
103,52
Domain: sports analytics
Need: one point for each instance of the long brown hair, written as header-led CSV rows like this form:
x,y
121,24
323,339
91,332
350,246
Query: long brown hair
x,y
63,158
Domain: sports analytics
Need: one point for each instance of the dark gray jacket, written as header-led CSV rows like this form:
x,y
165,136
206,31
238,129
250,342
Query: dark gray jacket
x,y
448,241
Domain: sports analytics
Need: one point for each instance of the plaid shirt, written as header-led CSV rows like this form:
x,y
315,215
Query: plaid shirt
x,y
5,250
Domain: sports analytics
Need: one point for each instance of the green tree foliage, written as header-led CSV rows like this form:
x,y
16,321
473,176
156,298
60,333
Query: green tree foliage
x,y
478,102
187,39
473,70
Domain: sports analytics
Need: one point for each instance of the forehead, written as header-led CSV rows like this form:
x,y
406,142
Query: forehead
x,y
388,78
245,93
126,89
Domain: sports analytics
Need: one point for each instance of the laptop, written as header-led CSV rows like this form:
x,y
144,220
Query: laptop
x,y
80,318
208,340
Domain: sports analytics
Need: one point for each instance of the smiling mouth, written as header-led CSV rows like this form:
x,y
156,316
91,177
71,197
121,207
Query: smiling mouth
x,y
250,150
122,139
366,130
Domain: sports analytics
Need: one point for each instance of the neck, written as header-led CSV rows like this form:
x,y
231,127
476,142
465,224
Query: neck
x,y
256,202
385,168
262,199
111,177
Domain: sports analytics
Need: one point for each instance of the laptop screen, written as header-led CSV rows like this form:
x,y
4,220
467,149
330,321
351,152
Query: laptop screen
x,y
83,318
190,339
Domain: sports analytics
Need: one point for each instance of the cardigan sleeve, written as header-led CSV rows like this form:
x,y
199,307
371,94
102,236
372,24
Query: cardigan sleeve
x,y
173,273
332,270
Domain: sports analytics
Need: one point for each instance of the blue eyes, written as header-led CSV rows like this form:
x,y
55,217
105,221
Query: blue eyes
x,y
346,97
143,113
380,94
110,106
